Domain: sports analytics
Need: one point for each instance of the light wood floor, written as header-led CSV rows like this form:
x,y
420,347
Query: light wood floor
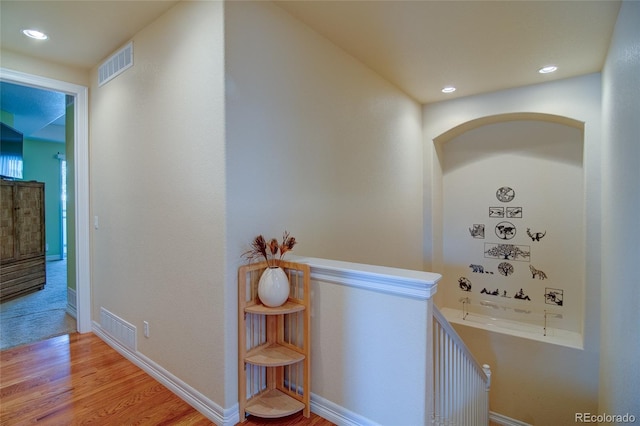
x,y
78,379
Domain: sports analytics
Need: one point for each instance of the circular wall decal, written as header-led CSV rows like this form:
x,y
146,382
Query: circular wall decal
x,y
505,268
505,194
505,230
464,283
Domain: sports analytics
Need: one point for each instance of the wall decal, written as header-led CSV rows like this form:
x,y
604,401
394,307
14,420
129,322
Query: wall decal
x,y
514,212
505,230
477,231
479,269
536,273
507,251
505,194
495,292
520,295
536,236
496,212
464,283
553,296
505,268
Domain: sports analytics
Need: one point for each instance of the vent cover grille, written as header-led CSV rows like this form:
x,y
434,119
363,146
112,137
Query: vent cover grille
x,y
119,329
116,64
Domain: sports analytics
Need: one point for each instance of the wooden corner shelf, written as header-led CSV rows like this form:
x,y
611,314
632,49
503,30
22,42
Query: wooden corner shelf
x,y
288,308
274,362
273,355
272,404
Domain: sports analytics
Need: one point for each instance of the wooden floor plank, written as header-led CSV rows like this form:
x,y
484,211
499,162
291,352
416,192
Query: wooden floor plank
x,y
78,379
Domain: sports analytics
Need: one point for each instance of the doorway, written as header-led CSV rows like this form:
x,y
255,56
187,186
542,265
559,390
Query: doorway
x,y
35,150
77,160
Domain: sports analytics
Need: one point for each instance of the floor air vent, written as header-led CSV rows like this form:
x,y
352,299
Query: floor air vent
x,y
118,328
116,64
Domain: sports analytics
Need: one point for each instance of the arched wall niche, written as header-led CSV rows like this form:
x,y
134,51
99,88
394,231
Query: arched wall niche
x,y
502,118
509,237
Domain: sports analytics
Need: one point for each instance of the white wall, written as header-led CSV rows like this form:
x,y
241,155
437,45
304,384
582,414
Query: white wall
x,y
542,162
158,190
522,384
620,349
319,145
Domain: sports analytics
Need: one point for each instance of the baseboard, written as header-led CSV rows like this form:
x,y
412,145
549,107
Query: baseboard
x,y
225,417
504,420
337,414
208,408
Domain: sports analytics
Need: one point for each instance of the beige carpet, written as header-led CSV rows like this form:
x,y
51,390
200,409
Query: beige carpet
x,y
39,315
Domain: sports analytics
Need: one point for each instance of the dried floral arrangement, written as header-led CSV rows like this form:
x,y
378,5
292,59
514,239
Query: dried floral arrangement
x,y
271,251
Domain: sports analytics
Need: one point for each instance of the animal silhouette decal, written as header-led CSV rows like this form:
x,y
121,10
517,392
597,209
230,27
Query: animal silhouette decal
x,y
536,236
479,269
477,231
536,273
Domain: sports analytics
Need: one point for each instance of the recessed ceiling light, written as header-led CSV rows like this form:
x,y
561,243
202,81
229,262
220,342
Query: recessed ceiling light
x,y
448,89
38,35
548,69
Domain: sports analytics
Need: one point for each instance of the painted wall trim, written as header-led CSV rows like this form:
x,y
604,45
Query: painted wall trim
x,y
337,414
501,420
214,412
211,410
81,171
408,283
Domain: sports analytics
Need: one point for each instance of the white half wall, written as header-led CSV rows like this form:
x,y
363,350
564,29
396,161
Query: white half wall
x,y
370,339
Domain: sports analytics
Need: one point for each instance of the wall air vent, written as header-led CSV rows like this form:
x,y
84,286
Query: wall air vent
x,y
123,332
116,64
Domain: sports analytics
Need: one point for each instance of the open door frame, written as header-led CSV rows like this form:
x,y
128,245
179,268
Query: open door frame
x,y
81,177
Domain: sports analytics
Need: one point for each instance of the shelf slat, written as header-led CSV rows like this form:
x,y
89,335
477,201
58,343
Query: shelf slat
x,y
288,308
272,404
273,355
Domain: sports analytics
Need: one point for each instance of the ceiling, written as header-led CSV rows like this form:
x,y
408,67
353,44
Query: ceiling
x,y
420,46
81,34
477,46
36,113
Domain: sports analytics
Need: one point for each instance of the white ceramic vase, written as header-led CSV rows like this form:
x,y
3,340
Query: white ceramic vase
x,y
273,287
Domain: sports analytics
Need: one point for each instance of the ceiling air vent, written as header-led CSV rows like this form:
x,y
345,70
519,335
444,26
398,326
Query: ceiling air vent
x,y
116,64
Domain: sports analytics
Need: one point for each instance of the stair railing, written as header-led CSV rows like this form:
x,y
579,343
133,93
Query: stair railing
x,y
461,384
